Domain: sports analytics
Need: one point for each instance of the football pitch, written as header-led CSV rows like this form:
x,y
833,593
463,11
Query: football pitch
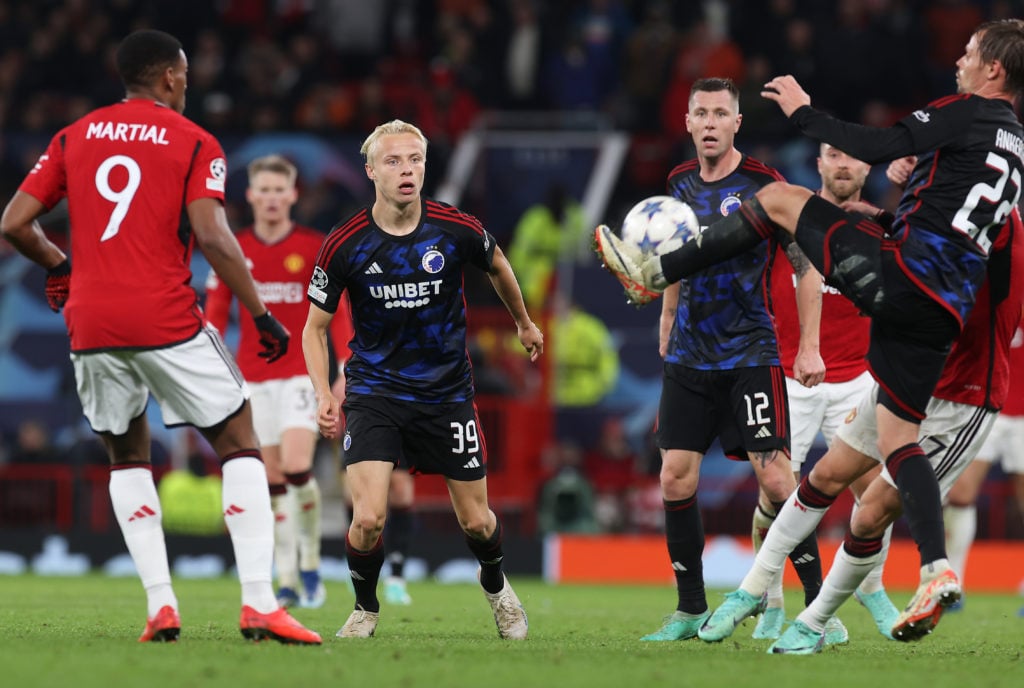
x,y
83,631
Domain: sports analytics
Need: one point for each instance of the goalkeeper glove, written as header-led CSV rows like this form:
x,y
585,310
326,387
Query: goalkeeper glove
x,y
273,336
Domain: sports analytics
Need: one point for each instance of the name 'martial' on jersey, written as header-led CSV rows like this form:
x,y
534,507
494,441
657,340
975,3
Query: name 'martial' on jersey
x,y
125,131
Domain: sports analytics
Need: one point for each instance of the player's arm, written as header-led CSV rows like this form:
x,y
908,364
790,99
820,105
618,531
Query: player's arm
x,y
18,225
870,144
219,245
504,281
314,350
808,366
669,305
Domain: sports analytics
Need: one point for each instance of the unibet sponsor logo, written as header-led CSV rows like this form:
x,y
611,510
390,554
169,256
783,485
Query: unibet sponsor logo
x,y
406,294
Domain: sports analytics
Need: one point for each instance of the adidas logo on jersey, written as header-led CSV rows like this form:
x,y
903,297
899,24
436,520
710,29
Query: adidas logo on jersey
x,y
374,269
762,433
472,463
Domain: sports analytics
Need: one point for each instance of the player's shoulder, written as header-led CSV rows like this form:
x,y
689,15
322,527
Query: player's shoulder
x,y
306,234
447,215
683,169
755,168
954,99
343,233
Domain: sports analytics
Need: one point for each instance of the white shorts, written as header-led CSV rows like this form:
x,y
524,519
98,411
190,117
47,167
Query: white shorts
x,y
951,435
820,408
279,405
1005,444
195,383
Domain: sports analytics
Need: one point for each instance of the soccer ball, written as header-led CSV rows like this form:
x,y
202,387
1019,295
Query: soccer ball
x,y
659,224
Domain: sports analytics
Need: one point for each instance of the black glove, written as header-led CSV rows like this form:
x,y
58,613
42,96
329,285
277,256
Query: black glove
x,y
273,336
58,285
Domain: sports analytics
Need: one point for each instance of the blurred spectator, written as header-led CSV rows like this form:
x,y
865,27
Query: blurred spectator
x,y
565,502
611,466
705,51
32,444
546,233
585,357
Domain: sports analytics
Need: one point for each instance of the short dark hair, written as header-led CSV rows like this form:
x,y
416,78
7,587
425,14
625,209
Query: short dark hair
x,y
712,84
1003,40
144,55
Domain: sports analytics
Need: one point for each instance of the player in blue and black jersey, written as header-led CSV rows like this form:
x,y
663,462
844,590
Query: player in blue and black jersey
x,y
722,377
918,283
409,381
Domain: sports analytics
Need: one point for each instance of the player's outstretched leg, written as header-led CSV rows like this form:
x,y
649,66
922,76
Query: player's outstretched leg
x,y
936,592
277,625
738,605
628,265
678,626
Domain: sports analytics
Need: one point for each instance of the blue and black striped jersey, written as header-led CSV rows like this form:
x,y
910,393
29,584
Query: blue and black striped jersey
x,y
724,318
408,305
967,179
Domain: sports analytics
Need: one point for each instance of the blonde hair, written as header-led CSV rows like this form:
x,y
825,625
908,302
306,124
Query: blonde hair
x,y
273,163
395,126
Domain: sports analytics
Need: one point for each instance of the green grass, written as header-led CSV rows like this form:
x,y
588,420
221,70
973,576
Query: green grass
x,y
82,631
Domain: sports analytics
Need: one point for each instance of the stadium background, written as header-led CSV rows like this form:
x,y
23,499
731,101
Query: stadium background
x,y
516,96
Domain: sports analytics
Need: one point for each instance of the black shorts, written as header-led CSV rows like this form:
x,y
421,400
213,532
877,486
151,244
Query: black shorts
x,y
911,333
443,439
746,409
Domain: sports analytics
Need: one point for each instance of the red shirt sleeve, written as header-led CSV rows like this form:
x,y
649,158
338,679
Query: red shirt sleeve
x,y
47,182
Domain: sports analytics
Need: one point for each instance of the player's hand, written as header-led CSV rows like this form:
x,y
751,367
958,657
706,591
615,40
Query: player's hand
x,y
328,416
532,340
808,368
862,207
58,285
899,170
785,91
273,337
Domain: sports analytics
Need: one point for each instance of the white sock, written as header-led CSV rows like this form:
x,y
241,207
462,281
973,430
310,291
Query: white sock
x,y
791,526
308,508
286,540
961,526
873,581
250,522
760,524
137,509
846,574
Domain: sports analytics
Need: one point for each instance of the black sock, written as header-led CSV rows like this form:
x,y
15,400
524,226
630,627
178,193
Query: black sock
x,y
489,553
684,534
732,235
365,570
398,534
806,561
922,501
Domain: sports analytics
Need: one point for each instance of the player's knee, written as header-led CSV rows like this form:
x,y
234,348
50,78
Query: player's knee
x,y
476,527
782,202
369,523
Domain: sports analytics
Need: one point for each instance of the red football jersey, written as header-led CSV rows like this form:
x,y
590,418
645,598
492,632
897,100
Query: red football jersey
x,y
128,171
978,368
844,332
282,271
1015,395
